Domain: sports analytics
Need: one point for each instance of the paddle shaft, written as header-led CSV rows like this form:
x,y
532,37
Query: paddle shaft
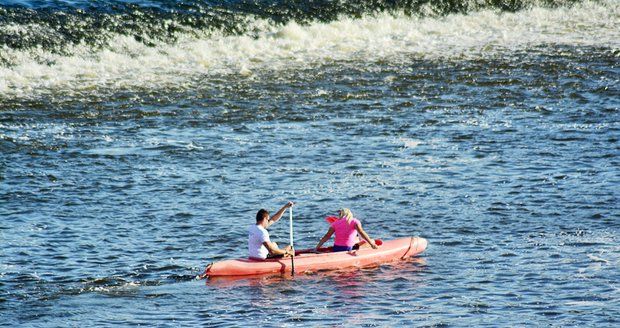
x,y
290,221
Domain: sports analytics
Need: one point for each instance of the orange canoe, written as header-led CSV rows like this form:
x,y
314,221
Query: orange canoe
x,y
308,261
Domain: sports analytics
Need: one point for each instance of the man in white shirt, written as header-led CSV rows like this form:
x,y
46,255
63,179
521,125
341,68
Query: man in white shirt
x,y
259,245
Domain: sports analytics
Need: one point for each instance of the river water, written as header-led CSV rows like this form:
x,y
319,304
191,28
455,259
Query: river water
x,y
139,138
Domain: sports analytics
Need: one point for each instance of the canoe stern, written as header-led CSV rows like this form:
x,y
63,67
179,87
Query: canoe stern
x,y
417,245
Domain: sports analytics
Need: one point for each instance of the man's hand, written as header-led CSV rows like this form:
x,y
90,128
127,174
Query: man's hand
x,y
278,214
289,250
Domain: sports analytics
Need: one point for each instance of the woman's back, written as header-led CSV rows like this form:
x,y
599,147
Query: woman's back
x,y
346,228
346,232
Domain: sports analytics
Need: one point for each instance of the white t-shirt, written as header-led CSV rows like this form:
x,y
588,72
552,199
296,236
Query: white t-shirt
x,y
257,235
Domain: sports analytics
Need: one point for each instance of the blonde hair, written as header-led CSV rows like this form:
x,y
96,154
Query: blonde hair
x,y
345,213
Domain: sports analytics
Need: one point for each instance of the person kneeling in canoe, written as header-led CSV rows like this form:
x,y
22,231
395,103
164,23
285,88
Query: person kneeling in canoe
x,y
259,245
346,228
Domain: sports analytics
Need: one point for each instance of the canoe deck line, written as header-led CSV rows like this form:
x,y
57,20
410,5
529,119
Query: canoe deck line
x,y
308,261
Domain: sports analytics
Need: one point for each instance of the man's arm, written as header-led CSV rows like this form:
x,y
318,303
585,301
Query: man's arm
x,y
278,214
273,250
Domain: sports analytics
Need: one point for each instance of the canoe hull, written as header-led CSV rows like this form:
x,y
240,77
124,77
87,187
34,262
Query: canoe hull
x,y
392,250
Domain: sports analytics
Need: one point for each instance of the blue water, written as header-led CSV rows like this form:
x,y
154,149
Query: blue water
x,y
133,153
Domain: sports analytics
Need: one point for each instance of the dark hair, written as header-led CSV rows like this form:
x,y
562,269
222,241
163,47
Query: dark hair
x,y
262,213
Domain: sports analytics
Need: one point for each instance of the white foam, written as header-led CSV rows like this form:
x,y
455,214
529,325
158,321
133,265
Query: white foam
x,y
126,63
38,131
584,303
597,259
410,143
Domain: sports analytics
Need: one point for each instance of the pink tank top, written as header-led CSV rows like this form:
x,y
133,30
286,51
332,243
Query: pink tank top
x,y
346,234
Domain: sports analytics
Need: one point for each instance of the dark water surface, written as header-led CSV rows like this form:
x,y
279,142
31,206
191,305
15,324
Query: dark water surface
x,y
133,153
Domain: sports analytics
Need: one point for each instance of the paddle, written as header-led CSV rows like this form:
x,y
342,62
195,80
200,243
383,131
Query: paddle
x,y
290,221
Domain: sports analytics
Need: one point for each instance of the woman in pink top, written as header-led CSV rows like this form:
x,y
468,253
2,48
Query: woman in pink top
x,y
346,228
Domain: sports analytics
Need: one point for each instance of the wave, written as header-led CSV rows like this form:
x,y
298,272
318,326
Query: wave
x,y
45,50
55,24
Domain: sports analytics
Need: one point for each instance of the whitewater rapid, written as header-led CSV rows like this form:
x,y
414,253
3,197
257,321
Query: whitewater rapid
x,y
126,63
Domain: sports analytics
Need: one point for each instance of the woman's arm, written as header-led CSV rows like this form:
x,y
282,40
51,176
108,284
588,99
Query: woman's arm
x,y
364,235
325,238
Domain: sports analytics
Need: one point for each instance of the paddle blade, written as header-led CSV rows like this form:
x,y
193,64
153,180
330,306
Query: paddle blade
x,y
378,242
331,219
